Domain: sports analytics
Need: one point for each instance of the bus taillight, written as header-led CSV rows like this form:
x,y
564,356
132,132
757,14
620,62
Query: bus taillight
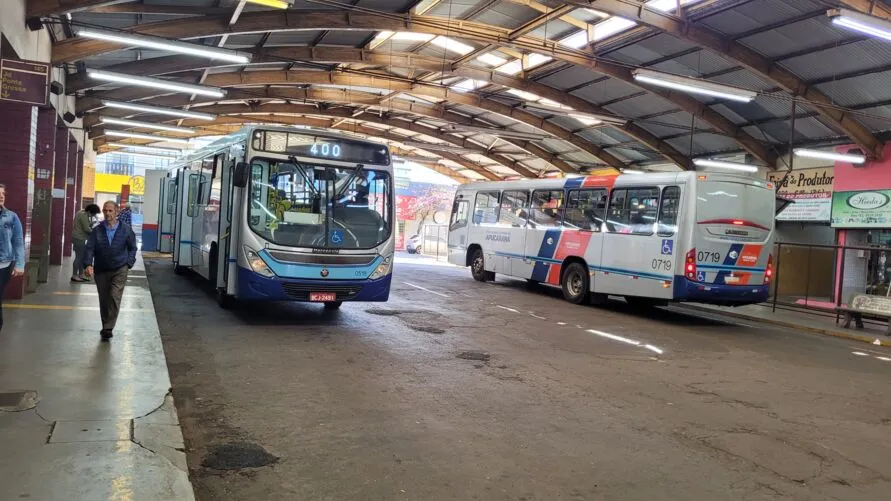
x,y
690,266
768,273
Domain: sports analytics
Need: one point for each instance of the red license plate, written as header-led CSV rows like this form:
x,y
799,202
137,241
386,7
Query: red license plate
x,y
325,297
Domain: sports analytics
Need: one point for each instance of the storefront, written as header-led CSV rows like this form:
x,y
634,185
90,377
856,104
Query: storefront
x,y
121,187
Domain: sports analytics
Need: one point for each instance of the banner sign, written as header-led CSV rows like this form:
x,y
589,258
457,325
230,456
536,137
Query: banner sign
x,y
24,81
861,209
809,189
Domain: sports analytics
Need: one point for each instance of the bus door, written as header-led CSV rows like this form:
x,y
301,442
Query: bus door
x,y
543,236
637,259
232,217
187,182
458,230
512,220
166,214
222,191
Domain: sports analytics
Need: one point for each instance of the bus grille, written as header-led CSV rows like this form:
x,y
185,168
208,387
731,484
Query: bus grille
x,y
300,292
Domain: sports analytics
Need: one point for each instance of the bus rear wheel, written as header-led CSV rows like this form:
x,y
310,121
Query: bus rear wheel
x,y
576,286
478,267
643,303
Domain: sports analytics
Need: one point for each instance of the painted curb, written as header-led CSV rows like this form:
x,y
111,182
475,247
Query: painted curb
x,y
792,325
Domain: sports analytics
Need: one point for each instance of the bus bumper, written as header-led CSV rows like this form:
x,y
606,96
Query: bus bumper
x,y
725,295
253,287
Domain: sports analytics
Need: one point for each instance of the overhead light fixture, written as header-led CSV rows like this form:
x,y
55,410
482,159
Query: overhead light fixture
x,y
575,114
136,135
494,132
145,125
155,83
632,171
158,43
721,164
863,23
278,4
694,85
158,110
149,155
829,155
150,149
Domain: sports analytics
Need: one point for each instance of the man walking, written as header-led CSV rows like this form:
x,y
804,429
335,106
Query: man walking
x,y
111,249
12,247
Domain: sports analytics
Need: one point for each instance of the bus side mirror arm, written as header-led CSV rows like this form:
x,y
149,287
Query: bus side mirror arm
x,y
240,176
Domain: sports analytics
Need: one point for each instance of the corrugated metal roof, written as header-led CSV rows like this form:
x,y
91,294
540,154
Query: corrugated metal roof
x,y
640,106
704,144
876,119
569,77
607,90
506,14
653,48
858,91
452,9
847,58
795,37
753,15
696,64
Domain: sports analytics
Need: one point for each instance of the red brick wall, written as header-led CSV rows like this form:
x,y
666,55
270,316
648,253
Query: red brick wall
x,y
18,144
60,173
43,183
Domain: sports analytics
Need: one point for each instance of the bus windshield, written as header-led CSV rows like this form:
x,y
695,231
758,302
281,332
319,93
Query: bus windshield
x,y
305,205
728,201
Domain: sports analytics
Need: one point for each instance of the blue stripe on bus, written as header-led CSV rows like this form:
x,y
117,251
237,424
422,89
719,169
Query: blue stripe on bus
x,y
573,182
618,271
547,250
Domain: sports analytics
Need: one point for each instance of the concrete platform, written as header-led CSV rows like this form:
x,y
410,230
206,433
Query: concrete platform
x,y
79,418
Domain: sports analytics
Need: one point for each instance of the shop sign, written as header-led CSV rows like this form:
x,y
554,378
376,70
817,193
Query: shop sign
x,y
809,189
861,209
114,183
24,81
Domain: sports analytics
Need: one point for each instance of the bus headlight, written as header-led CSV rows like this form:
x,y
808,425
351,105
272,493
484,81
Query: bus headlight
x,y
383,269
257,264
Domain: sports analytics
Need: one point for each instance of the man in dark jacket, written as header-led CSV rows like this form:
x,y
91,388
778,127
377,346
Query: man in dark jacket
x,y
111,249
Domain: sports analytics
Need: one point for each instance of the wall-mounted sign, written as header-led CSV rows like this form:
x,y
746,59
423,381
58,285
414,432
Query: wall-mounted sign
x,y
24,81
809,189
861,209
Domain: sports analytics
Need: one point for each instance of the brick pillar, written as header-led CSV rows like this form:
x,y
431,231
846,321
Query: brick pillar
x,y
79,180
18,150
60,174
71,205
43,188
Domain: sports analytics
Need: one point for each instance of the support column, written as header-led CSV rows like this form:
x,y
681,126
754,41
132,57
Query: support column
x,y
79,181
43,191
60,174
71,206
18,145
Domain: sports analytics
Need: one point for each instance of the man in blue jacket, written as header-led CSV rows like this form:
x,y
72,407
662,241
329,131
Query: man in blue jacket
x,y
110,253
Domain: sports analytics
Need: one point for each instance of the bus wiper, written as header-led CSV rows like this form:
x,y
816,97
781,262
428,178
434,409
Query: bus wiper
x,y
303,174
349,181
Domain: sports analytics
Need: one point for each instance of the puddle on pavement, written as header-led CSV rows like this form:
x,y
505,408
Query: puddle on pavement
x,y
238,455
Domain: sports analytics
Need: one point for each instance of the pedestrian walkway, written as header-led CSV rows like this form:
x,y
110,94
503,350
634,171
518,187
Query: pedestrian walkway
x,y
816,322
81,418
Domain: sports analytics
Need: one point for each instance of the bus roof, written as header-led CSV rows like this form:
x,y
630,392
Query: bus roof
x,y
611,181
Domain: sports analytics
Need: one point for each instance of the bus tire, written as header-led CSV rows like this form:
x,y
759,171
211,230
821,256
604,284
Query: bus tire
x,y
576,284
643,303
478,267
333,305
226,301
179,270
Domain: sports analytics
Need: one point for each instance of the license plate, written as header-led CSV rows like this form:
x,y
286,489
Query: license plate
x,y
322,297
731,280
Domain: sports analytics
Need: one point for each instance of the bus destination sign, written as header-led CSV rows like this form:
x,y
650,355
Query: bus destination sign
x,y
24,81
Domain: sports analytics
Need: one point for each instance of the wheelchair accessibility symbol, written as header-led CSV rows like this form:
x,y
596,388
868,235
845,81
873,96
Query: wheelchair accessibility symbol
x,y
336,237
667,247
700,276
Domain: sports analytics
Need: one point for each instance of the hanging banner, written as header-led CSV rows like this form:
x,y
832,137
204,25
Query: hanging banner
x,y
809,189
24,81
861,209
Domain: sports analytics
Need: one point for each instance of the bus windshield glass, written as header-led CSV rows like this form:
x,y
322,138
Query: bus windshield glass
x,y
727,201
313,206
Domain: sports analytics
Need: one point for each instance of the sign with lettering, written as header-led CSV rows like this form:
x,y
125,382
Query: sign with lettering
x,y
24,81
809,189
861,209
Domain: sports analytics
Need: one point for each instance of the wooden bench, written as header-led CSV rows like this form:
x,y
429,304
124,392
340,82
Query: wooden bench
x,y
866,305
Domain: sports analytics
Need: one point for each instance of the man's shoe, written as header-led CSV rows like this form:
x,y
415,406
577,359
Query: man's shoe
x,y
106,335
77,279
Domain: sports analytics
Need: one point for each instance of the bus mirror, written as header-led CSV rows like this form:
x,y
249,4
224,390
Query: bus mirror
x,y
240,178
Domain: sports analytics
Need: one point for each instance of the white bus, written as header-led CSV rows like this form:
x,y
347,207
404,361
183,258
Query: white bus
x,y
277,213
652,238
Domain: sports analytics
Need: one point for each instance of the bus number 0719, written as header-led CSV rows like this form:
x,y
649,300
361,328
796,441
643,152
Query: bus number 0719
x,y
708,257
661,264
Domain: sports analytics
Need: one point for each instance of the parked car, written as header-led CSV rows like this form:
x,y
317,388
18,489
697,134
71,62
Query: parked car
x,y
413,245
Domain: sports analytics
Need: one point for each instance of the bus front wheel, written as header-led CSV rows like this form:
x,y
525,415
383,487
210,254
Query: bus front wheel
x,y
478,267
333,305
576,287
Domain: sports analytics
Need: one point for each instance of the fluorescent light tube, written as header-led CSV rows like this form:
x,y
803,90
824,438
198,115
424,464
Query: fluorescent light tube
x,y
578,115
632,171
140,147
828,155
135,135
150,155
156,83
863,23
145,125
158,110
694,85
158,43
720,164
278,4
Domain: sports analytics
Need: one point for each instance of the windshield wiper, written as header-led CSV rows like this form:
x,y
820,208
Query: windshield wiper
x,y
303,174
349,181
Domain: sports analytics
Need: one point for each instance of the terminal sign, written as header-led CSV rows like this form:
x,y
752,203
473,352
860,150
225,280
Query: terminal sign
x,y
24,81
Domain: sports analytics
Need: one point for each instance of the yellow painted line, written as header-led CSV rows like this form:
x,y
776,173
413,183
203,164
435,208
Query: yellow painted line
x,y
96,295
23,306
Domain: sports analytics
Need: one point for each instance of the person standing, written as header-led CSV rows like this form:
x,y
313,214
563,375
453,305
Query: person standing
x,y
125,215
83,226
110,253
12,247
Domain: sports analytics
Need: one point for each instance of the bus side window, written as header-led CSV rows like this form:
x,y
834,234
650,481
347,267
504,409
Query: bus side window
x,y
585,209
513,208
486,209
547,207
668,211
617,217
193,194
459,215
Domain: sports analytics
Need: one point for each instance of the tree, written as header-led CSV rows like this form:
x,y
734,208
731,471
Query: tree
x,y
434,199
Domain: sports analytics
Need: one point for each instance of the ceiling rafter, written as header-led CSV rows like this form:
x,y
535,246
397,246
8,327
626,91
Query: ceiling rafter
x,y
76,49
751,60
175,64
340,114
279,77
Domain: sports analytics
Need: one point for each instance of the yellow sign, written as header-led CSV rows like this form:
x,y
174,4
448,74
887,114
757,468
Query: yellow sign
x,y
112,183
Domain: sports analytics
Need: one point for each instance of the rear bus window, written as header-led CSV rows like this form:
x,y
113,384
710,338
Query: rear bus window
x,y
486,209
